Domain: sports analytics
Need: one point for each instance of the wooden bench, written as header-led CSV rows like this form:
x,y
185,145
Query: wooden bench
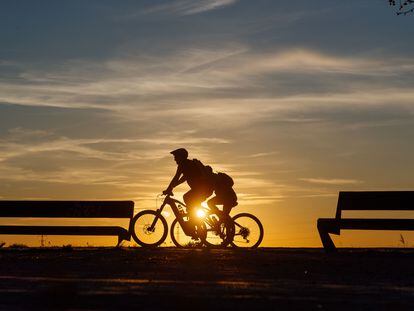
x,y
366,201
67,209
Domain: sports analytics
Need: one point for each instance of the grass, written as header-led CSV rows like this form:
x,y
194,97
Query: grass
x,y
16,245
194,244
67,247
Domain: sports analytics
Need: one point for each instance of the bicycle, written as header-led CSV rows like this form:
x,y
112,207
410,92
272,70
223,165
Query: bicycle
x,y
149,228
244,230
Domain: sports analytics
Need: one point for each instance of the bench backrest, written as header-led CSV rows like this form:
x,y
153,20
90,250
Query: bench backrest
x,y
67,209
374,201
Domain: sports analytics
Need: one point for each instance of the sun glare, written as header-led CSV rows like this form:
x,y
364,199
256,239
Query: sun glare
x,y
201,213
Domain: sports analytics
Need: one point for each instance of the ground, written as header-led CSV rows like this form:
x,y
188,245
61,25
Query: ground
x,y
199,279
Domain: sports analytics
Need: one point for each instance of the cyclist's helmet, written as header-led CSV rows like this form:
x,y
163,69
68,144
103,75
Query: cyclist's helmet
x,y
180,153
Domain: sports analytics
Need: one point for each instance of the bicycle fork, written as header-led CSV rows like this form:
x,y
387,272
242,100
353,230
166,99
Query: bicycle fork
x,y
154,222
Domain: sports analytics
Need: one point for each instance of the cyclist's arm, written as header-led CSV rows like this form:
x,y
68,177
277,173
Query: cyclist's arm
x,y
181,180
176,180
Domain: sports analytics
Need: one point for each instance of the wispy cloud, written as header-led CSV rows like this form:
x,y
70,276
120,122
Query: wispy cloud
x,y
202,81
37,155
262,154
189,7
198,97
333,181
112,168
21,141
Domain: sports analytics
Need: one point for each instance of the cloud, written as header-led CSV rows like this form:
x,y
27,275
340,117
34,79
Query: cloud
x,y
203,81
5,63
247,200
189,7
133,167
262,154
133,164
215,101
22,141
334,181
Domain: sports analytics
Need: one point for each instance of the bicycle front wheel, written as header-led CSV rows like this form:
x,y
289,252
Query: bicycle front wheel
x,y
181,239
149,228
248,231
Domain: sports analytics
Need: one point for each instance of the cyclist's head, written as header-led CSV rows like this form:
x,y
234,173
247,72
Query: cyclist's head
x,y
179,154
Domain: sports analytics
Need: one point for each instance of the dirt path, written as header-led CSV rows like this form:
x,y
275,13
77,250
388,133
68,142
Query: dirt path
x,y
163,278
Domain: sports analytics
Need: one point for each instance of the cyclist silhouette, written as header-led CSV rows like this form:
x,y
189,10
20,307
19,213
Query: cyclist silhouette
x,y
244,230
197,176
225,195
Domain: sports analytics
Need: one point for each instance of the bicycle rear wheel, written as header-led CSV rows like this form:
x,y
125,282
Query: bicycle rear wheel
x,y
143,231
248,231
219,234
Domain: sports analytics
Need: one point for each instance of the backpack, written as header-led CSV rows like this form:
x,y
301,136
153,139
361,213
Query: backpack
x,y
204,171
225,180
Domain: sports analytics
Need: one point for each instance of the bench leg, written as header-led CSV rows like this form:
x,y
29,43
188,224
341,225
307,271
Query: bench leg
x,y
327,242
123,237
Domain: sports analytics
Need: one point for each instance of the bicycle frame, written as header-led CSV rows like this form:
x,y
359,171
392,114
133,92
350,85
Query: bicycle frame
x,y
173,204
180,217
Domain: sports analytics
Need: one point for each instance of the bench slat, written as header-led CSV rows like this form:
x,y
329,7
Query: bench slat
x,y
64,230
67,209
377,224
376,200
334,225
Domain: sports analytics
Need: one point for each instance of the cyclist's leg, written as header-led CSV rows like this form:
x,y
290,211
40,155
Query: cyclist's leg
x,y
196,196
229,200
224,228
228,207
212,204
192,200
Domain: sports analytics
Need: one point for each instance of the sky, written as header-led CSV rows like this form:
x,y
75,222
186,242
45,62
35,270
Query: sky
x,y
296,100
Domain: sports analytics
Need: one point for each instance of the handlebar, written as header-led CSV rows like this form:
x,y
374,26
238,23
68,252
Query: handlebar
x,y
163,195
170,193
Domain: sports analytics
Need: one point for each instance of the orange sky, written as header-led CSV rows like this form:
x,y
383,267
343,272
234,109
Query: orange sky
x,y
296,101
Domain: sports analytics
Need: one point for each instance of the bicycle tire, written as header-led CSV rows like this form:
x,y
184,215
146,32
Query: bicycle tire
x,y
239,227
184,242
140,241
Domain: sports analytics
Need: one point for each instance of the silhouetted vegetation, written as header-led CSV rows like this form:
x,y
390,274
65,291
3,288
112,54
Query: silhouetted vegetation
x,y
195,244
404,7
16,245
402,240
67,247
